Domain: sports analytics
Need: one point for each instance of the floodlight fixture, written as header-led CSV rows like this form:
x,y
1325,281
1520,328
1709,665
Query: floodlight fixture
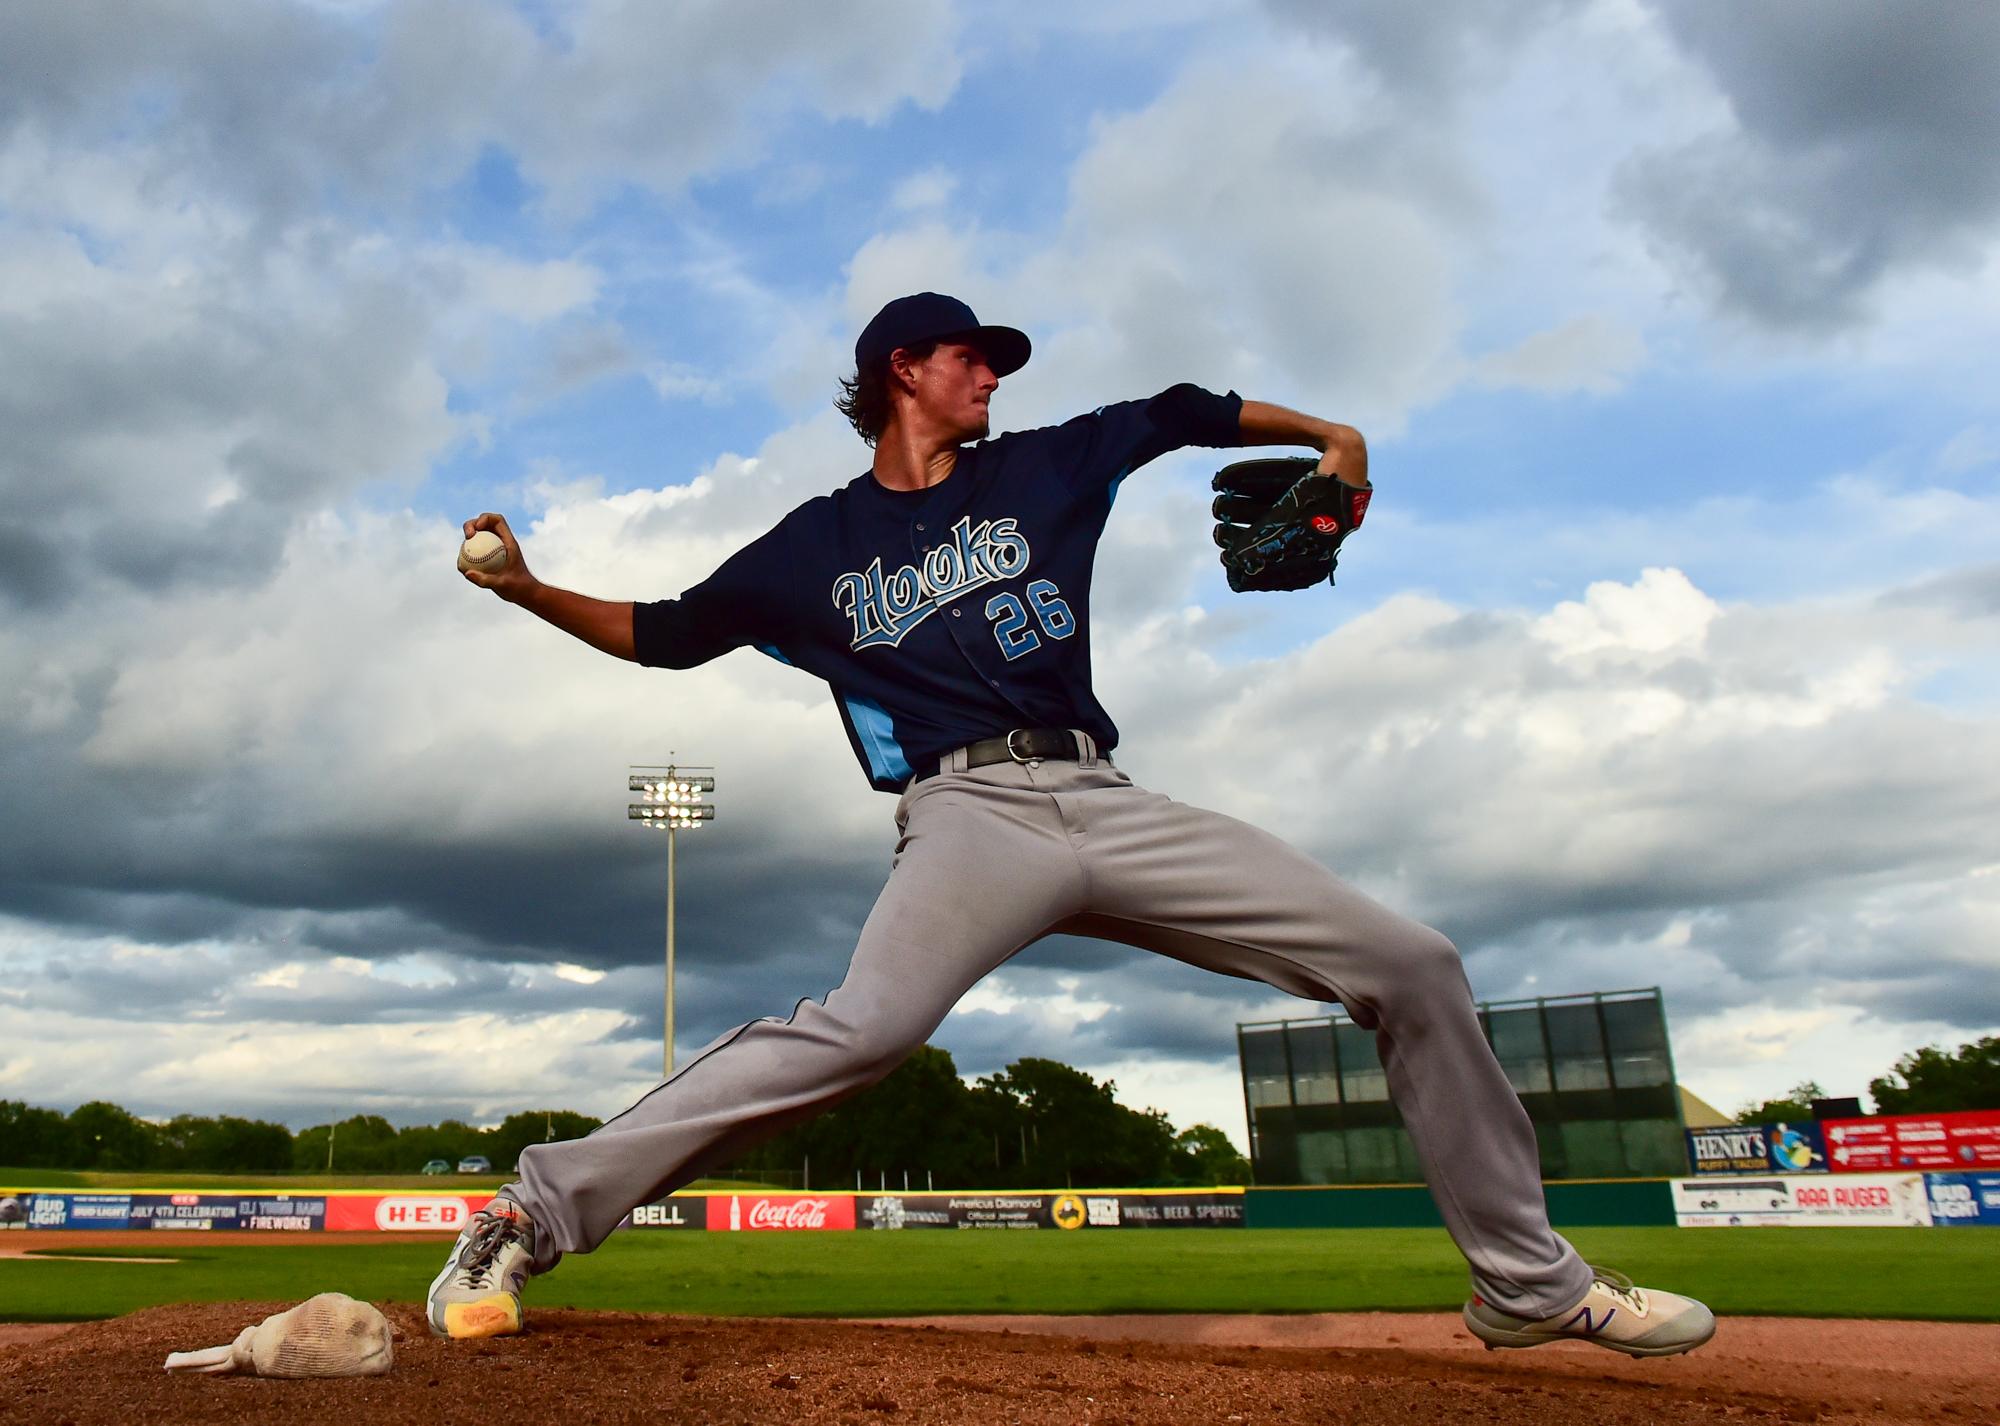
x,y
670,801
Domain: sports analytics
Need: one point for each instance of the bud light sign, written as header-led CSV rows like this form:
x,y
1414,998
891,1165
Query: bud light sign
x,y
1964,1200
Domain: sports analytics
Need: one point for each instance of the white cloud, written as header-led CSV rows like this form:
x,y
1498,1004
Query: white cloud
x,y
1971,449
1592,353
1661,614
411,1073
923,190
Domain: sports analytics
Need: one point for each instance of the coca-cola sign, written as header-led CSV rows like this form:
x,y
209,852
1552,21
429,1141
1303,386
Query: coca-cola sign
x,y
800,1213
776,1212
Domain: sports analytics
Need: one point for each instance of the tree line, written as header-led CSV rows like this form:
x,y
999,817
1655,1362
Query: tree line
x,y
101,1135
1038,1123
1932,1080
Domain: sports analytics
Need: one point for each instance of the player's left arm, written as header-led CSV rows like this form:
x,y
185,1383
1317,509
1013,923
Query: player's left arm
x,y
1343,453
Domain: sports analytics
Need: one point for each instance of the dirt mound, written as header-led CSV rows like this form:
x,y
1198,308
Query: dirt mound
x,y
577,1367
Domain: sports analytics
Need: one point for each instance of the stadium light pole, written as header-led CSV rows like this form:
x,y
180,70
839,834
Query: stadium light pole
x,y
670,800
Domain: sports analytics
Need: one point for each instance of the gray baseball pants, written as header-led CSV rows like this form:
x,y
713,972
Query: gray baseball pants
x,y
993,858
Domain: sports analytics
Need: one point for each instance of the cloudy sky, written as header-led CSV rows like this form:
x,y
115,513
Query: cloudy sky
x,y
1667,656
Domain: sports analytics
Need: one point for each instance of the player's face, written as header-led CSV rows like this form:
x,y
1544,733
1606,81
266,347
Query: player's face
x,y
954,388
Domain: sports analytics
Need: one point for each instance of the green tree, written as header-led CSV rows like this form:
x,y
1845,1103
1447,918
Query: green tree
x,y
504,1144
223,1145
107,1137
1037,1124
1935,1081
915,1120
1796,1104
455,1140
309,1149
1078,1134
233,1145
32,1138
365,1143
1204,1155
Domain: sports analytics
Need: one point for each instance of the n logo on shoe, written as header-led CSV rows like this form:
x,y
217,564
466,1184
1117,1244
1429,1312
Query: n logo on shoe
x,y
1591,1326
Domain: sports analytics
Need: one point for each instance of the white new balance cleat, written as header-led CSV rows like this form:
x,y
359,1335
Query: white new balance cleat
x,y
1612,1314
479,1292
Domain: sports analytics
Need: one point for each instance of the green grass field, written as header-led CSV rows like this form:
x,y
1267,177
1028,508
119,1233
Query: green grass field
x,y
1825,1272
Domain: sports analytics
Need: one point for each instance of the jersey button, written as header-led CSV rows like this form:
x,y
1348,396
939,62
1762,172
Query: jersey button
x,y
956,612
920,525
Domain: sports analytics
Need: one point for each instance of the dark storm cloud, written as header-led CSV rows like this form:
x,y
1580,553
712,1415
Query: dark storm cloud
x,y
1965,997
241,312
240,854
598,904
1151,1007
1862,145
156,442
33,569
285,107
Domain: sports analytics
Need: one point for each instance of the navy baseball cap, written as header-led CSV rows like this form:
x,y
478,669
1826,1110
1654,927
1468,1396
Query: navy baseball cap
x,y
933,317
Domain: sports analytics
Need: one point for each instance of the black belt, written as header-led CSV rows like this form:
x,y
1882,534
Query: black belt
x,y
1020,746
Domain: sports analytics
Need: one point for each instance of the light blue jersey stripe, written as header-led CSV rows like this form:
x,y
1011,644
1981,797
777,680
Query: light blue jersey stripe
x,y
774,652
1111,493
887,761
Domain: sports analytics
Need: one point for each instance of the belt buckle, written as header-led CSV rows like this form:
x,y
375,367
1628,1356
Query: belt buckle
x,y
1022,759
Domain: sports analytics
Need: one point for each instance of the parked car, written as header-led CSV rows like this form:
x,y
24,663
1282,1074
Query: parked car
x,y
477,1163
438,1166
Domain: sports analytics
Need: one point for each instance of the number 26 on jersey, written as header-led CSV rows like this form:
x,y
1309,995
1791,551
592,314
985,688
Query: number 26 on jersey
x,y
1012,619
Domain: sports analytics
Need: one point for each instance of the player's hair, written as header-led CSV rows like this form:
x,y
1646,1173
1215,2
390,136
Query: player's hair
x,y
864,397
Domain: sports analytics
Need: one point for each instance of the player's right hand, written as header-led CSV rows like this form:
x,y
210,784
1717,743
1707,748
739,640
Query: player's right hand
x,y
513,582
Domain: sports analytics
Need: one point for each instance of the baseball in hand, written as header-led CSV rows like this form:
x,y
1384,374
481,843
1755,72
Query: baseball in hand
x,y
485,552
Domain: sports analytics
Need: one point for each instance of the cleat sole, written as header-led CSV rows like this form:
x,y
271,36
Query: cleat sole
x,y
497,1316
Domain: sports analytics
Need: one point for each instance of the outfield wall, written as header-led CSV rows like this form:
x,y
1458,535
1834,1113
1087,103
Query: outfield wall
x,y
425,1211
1628,1203
1907,1200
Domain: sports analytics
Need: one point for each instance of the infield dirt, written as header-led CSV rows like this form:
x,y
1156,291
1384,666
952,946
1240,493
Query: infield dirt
x,y
577,1367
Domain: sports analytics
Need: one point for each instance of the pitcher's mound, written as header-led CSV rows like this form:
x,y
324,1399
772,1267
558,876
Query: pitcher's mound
x,y
583,1367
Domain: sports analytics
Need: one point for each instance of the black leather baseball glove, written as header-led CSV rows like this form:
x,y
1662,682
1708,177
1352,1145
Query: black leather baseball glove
x,y
1280,525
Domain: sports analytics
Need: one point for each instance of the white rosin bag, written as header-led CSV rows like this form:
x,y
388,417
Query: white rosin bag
x,y
327,1335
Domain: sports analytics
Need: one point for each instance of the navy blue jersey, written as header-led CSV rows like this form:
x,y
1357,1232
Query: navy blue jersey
x,y
950,614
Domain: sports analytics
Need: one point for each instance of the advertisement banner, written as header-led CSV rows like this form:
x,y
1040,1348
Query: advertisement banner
x,y
1964,1200
1150,1210
1757,1148
1070,1211
1873,1200
77,1210
779,1212
671,1213
1963,1141
954,1210
200,1211
282,1215
401,1212
197,1211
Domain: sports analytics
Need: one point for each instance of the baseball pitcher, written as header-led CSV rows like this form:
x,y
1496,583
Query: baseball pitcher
x,y
943,594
